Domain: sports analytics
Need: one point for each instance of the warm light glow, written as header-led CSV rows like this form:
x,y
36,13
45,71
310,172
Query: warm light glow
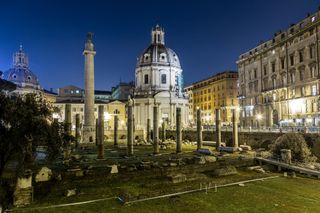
x,y
55,115
190,117
296,105
106,116
259,116
122,122
309,120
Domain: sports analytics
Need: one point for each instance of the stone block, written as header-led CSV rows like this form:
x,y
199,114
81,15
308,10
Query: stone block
x,y
22,197
24,182
210,159
113,169
43,175
227,149
79,173
172,164
229,170
199,159
260,170
286,155
245,147
251,168
70,192
204,151
177,178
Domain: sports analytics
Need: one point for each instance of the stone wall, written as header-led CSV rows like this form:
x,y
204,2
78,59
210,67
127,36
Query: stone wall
x,y
254,139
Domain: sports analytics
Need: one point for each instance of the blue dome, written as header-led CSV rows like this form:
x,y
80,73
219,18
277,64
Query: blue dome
x,y
20,74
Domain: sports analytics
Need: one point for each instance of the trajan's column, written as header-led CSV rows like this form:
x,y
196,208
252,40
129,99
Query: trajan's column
x,y
89,119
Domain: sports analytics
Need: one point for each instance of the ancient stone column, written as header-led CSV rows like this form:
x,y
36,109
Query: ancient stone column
x,y
67,119
115,129
89,118
67,129
218,128
178,131
77,130
96,132
130,128
100,132
163,130
234,129
148,130
134,126
199,130
155,129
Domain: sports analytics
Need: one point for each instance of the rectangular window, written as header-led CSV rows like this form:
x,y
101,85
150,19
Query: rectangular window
x,y
146,79
293,92
292,60
292,78
313,71
273,65
314,90
265,69
282,63
301,75
302,91
311,51
163,78
301,56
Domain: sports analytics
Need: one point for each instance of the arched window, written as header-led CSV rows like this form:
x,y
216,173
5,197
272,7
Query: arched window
x,y
163,78
146,79
116,112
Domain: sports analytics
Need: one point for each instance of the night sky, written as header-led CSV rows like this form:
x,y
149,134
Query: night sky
x,y
208,36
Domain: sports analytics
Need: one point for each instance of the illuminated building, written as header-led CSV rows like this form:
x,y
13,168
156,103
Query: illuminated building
x,y
279,79
217,92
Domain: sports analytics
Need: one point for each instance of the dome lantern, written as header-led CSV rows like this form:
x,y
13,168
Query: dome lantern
x,y
157,35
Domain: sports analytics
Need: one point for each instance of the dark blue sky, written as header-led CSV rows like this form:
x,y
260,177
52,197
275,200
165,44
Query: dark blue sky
x,y
208,36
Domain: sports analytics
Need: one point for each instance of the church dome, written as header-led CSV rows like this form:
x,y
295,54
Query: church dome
x,y
20,74
157,53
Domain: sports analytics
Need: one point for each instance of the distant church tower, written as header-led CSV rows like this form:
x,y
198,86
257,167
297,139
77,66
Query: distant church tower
x,y
89,118
158,80
21,74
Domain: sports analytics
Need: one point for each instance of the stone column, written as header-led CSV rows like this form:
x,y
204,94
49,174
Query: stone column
x,y
101,132
115,129
130,129
163,128
67,119
178,131
148,130
89,118
234,129
199,129
155,129
77,130
67,129
134,125
97,131
218,128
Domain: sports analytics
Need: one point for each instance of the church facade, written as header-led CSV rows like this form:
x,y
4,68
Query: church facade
x,y
159,81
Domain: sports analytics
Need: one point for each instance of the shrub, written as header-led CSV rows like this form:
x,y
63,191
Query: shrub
x,y
296,143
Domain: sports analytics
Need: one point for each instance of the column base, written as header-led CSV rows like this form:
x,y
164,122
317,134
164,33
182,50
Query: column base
x,y
89,134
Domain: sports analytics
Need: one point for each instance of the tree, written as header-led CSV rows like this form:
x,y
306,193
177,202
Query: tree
x,y
25,123
296,143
